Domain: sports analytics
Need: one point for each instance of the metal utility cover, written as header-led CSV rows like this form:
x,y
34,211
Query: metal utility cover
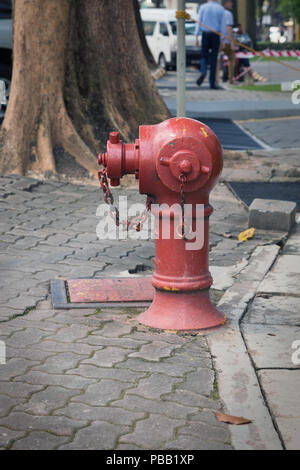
x,y
110,290
102,292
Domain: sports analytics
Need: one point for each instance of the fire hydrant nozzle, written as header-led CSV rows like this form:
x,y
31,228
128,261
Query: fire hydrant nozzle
x,y
102,159
178,162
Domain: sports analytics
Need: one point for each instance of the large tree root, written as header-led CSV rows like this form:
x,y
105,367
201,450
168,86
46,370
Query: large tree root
x,y
53,128
45,155
70,140
74,79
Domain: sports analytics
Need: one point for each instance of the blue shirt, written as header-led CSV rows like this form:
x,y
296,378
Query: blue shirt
x,y
212,15
227,21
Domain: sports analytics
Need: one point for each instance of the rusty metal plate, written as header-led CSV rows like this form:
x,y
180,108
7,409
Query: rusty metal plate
x,y
107,290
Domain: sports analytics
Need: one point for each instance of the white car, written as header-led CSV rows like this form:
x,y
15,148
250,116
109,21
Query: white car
x,y
160,27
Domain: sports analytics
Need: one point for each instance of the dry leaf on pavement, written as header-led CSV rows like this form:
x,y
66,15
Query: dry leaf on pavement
x,y
232,419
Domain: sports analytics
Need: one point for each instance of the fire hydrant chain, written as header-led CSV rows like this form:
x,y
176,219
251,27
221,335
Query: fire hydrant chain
x,y
183,181
108,197
136,222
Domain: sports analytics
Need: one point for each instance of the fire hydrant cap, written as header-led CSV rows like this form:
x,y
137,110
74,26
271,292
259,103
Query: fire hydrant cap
x,y
114,137
184,163
182,156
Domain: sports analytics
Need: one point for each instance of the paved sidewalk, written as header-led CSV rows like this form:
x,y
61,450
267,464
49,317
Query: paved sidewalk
x,y
78,379
262,165
229,103
167,86
271,330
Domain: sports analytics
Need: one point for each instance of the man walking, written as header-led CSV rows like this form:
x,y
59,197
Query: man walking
x,y
229,47
212,15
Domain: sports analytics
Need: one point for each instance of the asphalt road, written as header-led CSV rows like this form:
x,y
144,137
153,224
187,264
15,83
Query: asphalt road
x,y
278,73
275,133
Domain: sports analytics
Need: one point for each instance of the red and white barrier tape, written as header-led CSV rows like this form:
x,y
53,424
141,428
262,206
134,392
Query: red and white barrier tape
x,y
267,53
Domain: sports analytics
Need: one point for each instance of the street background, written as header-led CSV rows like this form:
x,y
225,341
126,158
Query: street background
x,y
97,379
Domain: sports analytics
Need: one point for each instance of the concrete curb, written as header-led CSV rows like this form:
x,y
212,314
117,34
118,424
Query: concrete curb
x,y
158,73
254,109
239,387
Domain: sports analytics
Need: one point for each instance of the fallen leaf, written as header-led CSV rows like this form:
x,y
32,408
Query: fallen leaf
x,y
245,236
232,419
227,235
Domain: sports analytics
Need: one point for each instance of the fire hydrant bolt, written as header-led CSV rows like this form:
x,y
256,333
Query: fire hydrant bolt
x,y
185,167
205,169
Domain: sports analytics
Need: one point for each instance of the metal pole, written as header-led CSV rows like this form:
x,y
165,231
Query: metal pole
x,y
181,63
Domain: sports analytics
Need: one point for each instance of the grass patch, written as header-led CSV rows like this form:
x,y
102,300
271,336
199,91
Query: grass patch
x,y
215,393
216,295
283,59
270,87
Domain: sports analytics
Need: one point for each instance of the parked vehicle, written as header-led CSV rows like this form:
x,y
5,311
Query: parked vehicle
x,y
5,50
160,27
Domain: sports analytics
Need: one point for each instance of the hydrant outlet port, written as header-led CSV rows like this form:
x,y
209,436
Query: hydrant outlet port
x,y
102,159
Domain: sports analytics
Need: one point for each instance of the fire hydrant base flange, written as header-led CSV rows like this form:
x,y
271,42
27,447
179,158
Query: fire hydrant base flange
x,y
182,311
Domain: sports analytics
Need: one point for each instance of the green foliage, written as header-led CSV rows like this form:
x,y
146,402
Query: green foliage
x,y
290,9
268,87
261,46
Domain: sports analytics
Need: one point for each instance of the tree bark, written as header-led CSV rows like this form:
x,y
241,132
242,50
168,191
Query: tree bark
x,y
251,20
79,72
260,5
235,12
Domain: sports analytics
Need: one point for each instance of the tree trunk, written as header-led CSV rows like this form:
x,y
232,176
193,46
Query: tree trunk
x,y
260,5
235,12
251,20
79,71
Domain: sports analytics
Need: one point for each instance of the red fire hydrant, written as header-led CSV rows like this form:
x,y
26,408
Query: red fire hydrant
x,y
177,161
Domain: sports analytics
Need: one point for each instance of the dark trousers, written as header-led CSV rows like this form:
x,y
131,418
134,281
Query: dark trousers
x,y
210,46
